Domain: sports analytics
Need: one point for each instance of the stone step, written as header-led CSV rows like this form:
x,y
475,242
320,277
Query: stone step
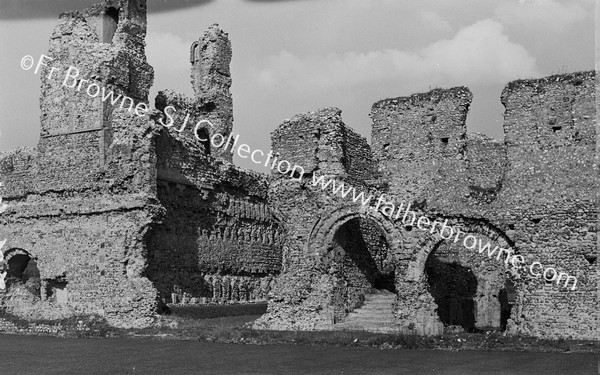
x,y
365,314
375,309
375,315
387,309
382,311
381,298
365,317
371,313
374,321
388,328
377,303
369,324
371,316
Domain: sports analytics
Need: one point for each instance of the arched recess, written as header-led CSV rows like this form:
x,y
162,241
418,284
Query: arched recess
x,y
194,53
110,23
203,135
471,289
22,269
357,248
467,226
324,230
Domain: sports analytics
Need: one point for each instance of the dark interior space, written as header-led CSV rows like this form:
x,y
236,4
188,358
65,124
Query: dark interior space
x,y
362,264
453,288
366,249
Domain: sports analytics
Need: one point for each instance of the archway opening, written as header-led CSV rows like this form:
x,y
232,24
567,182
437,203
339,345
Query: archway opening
x,y
204,137
194,55
453,288
363,265
507,300
471,295
110,22
23,270
17,265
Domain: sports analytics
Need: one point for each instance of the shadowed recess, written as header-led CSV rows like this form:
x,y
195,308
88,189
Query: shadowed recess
x,y
31,9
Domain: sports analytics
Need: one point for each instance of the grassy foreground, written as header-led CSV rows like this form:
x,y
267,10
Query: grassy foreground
x,y
228,324
63,356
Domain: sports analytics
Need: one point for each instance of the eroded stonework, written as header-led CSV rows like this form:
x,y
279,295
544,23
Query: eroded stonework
x,y
535,193
116,214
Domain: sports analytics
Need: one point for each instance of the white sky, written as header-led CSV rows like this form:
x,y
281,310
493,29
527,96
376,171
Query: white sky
x,y
296,56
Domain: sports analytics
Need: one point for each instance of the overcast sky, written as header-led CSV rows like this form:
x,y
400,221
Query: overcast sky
x,y
296,56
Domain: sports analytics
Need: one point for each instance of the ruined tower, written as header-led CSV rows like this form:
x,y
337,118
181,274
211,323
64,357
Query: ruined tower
x,y
94,159
93,53
210,111
210,57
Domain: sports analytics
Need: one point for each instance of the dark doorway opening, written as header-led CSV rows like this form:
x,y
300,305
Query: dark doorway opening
x,y
22,269
17,265
453,288
507,300
203,136
110,22
362,263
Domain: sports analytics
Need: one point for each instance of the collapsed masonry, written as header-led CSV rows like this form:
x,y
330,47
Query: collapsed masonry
x,y
113,213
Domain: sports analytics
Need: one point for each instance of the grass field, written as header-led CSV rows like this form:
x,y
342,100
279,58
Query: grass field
x,y
218,311
216,340
48,355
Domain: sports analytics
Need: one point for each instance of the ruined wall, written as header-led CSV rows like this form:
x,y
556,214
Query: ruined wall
x,y
210,57
308,294
320,142
217,223
119,208
362,264
536,187
218,238
80,203
532,193
485,172
419,142
549,196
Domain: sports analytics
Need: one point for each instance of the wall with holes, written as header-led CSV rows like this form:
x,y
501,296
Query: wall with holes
x,y
538,186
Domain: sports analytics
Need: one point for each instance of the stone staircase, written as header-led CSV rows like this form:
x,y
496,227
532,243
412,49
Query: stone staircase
x,y
375,315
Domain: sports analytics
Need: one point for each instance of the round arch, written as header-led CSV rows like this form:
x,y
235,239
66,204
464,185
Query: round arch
x,y
416,267
486,289
8,254
324,229
194,53
18,261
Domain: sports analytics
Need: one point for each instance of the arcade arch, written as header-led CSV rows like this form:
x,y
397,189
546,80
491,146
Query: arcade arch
x,y
472,290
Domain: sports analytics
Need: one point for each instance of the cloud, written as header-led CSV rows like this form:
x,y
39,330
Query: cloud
x,y
169,50
169,54
479,54
435,21
27,9
548,15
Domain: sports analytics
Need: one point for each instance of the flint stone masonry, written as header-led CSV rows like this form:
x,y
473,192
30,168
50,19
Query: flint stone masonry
x,y
117,214
117,211
534,192
321,143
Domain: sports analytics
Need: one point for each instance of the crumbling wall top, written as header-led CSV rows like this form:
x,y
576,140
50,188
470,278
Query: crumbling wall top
x,y
320,141
575,79
210,57
435,96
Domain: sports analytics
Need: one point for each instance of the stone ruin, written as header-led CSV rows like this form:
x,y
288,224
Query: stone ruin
x,y
115,214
